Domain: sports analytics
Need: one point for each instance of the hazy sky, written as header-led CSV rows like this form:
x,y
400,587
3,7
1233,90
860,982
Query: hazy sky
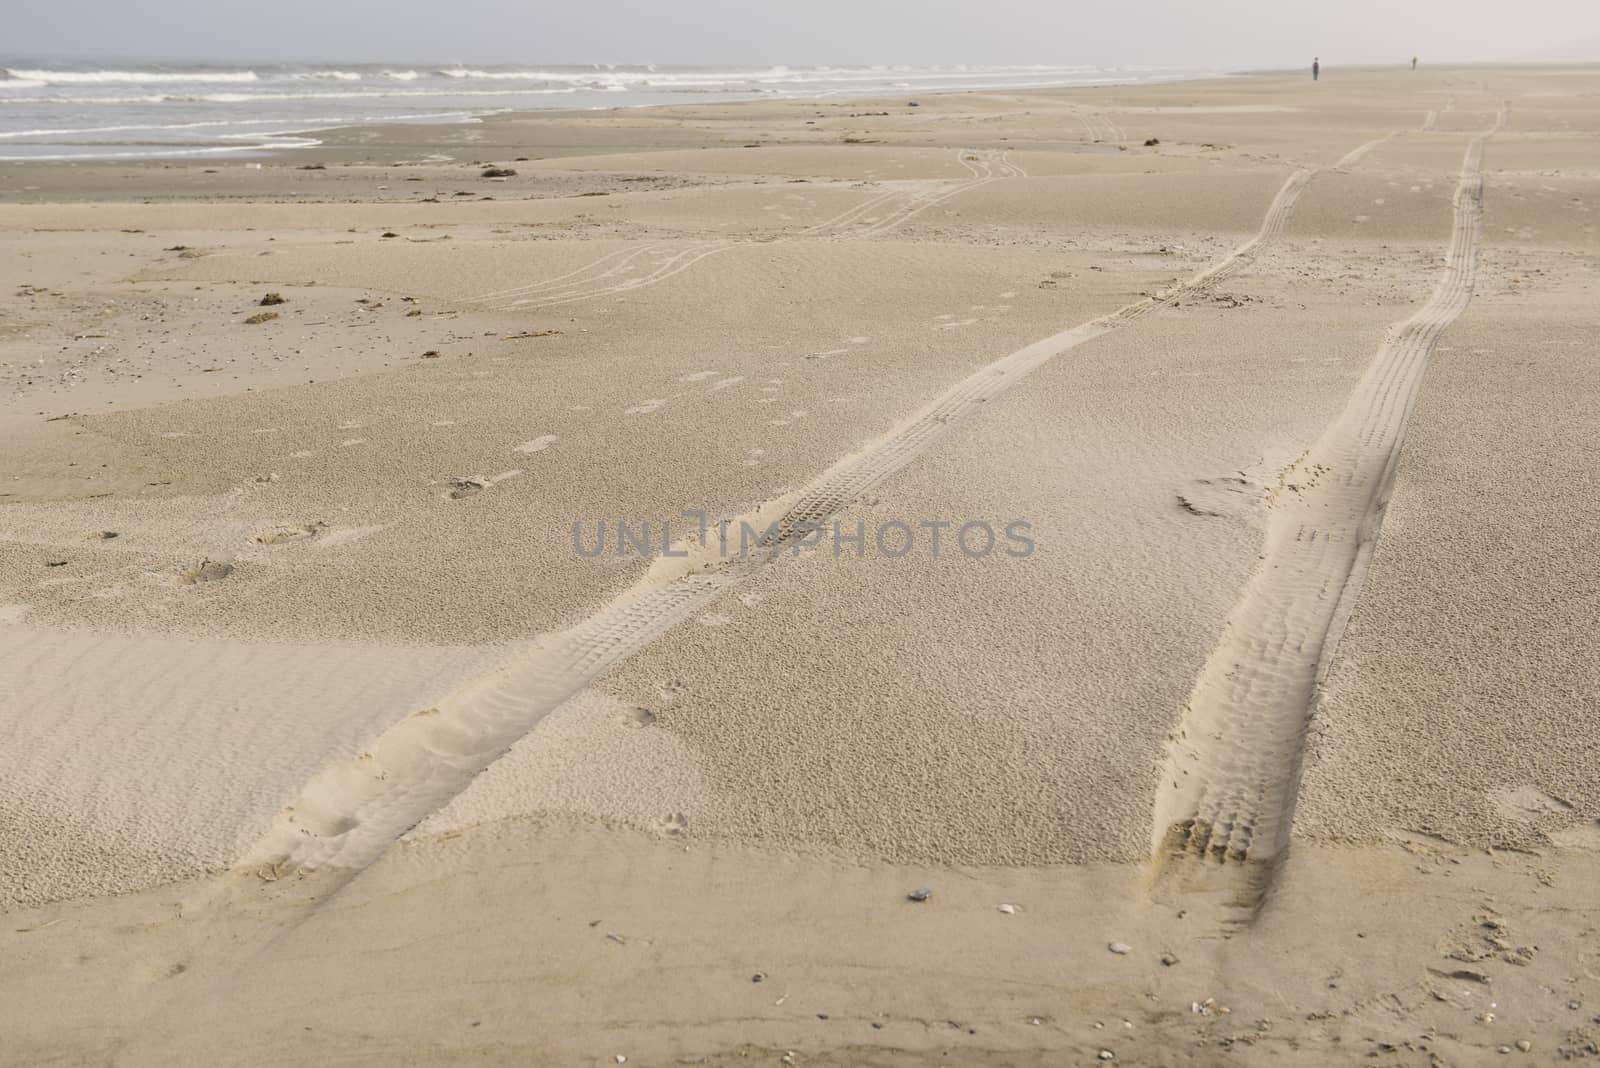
x,y
1196,33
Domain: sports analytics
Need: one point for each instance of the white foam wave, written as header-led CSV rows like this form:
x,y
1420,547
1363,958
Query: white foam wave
x,y
105,77
246,98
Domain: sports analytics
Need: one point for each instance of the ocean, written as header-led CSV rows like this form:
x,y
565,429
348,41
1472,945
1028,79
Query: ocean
x,y
54,110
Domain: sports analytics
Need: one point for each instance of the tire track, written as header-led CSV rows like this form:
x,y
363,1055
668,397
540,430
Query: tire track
x,y
1355,155
1228,790
590,281
352,811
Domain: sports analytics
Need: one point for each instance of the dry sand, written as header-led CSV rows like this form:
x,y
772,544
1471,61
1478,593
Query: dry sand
x,y
338,751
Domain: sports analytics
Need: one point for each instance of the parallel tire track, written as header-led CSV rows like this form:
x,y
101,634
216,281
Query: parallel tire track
x,y
1229,787
613,273
351,812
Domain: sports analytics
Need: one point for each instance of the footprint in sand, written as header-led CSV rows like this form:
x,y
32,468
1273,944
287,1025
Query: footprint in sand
x,y
647,407
285,534
462,488
675,824
538,444
638,716
205,571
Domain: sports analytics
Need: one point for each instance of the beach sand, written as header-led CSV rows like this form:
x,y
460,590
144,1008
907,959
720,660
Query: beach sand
x,y
322,741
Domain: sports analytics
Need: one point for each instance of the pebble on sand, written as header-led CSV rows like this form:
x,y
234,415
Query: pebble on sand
x,y
921,893
1121,949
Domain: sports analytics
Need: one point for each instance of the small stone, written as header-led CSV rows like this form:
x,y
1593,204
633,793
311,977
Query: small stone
x,y
1121,949
270,299
1151,142
1573,1005
1524,1045
1169,959
498,172
759,977
621,1059
921,893
106,535
1503,1049
1106,1055
1009,910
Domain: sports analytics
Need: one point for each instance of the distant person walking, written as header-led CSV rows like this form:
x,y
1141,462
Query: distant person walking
x,y
1316,68
1413,62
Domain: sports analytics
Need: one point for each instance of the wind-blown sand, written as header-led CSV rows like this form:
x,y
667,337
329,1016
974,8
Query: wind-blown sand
x,y
321,742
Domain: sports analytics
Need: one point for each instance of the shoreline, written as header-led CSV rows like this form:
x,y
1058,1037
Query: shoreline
x,y
708,98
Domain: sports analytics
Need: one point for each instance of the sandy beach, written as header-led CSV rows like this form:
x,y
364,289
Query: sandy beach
x,y
338,723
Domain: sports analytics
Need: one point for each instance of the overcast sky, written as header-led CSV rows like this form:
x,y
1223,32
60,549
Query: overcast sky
x,y
1190,33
